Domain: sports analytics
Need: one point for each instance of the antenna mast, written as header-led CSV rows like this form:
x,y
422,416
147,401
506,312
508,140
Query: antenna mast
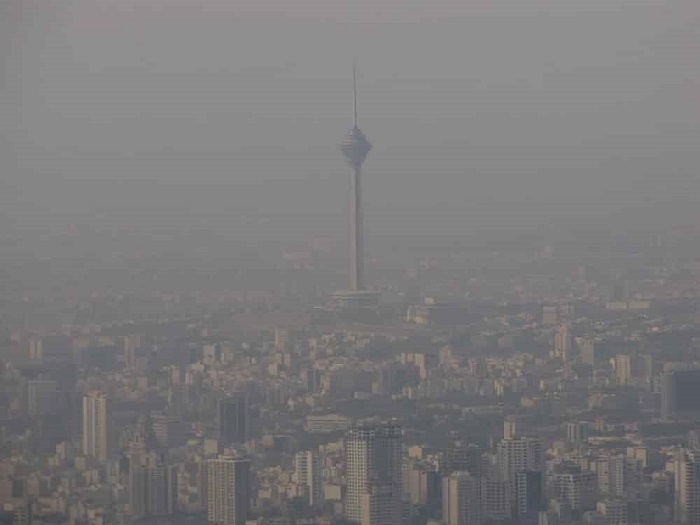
x,y
354,93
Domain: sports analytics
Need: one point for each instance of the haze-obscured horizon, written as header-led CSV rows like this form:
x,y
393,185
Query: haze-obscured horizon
x,y
485,116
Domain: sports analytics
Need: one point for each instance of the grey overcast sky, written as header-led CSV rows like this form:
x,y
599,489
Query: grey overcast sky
x,y
210,104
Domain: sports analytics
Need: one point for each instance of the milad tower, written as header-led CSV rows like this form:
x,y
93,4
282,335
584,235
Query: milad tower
x,y
355,148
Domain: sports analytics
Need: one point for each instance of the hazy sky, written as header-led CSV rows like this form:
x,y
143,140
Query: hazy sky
x,y
227,105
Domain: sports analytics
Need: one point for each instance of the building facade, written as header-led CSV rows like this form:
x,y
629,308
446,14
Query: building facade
x,y
233,418
228,491
374,474
309,476
461,499
96,440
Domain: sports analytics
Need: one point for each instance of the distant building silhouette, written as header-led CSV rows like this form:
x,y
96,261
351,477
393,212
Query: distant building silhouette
x,y
152,485
41,397
355,148
233,414
680,391
96,426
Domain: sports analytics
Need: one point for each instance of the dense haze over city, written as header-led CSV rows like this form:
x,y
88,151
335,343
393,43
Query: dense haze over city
x,y
361,262
574,108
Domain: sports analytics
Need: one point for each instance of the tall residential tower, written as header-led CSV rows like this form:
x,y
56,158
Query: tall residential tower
x,y
374,474
309,476
96,426
228,491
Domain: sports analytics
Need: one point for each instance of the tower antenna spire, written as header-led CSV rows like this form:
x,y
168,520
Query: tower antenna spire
x,y
354,93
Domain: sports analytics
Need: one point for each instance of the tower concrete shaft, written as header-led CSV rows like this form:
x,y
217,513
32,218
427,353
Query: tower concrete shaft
x,y
356,234
355,148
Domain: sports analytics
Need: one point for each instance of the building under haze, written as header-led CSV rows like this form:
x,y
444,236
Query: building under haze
x,y
461,499
233,415
575,487
374,474
462,457
228,491
96,426
687,487
577,432
529,493
152,485
680,391
41,397
309,476
519,455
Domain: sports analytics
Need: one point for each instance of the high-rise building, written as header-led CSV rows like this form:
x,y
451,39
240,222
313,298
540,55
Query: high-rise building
x,y
41,397
283,338
686,470
309,476
169,430
550,315
497,499
529,494
152,485
421,484
161,489
461,499
577,432
623,369
462,457
131,343
96,425
36,348
228,491
509,429
587,350
615,511
575,487
619,476
563,342
680,389
374,474
312,378
518,455
694,439
233,415
136,482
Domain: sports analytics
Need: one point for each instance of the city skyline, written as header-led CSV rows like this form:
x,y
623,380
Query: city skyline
x,y
208,317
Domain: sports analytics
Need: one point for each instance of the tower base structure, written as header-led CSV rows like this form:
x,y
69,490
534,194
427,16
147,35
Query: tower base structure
x,y
354,300
360,306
